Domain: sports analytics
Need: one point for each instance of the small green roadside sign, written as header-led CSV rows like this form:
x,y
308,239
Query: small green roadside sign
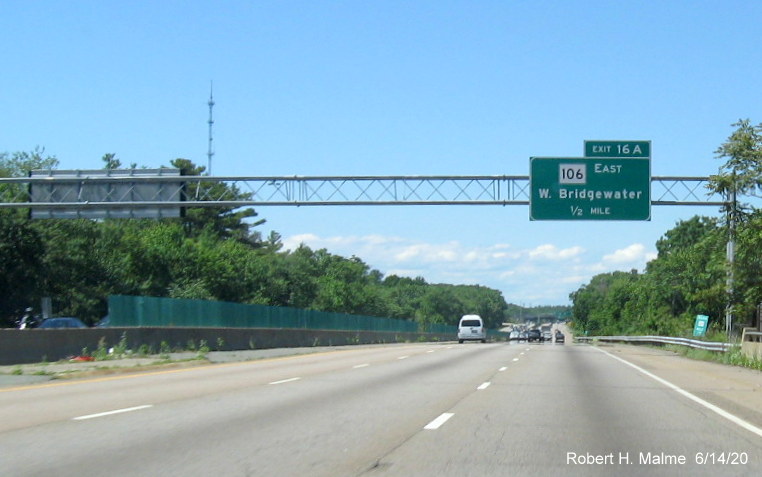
x,y
699,328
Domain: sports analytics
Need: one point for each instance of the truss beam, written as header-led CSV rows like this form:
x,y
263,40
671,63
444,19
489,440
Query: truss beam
x,y
205,191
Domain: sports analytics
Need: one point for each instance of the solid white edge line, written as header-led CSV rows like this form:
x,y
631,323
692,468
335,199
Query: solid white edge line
x,y
437,423
718,410
110,413
282,381
484,386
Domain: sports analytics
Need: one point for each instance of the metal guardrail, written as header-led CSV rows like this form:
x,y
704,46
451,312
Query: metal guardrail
x,y
706,345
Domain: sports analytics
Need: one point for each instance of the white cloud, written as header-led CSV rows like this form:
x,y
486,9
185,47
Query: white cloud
x,y
551,252
429,253
632,254
293,242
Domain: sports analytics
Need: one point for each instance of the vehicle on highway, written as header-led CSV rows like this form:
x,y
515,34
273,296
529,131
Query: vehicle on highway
x,y
471,328
514,335
559,337
62,322
547,336
523,335
29,320
534,335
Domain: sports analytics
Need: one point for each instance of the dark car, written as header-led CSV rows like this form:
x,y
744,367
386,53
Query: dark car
x,y
62,322
534,335
559,337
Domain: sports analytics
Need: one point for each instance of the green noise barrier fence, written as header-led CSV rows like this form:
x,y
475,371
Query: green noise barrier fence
x,y
143,311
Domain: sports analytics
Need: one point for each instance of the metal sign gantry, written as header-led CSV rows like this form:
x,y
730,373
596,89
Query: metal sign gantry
x,y
204,191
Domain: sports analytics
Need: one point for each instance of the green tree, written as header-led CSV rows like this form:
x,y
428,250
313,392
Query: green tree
x,y
686,278
749,267
73,273
20,164
346,286
225,222
21,251
439,306
110,161
741,174
597,306
403,295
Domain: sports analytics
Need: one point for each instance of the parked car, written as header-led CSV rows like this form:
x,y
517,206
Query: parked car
x,y
62,322
534,335
559,337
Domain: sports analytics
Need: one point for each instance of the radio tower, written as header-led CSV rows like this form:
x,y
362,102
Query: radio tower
x,y
210,151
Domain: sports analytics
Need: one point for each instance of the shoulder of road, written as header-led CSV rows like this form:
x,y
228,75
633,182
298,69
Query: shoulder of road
x,y
21,374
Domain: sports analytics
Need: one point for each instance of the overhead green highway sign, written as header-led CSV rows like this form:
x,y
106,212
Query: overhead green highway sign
x,y
589,188
634,149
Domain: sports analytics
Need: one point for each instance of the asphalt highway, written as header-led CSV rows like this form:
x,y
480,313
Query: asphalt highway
x,y
425,409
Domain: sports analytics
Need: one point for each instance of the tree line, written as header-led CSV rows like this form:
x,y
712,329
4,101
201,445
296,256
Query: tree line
x,y
689,275
211,253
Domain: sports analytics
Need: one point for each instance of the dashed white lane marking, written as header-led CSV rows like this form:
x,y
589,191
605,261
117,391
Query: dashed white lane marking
x,y
484,386
282,381
430,351
437,423
357,366
110,413
730,417
503,368
515,359
403,357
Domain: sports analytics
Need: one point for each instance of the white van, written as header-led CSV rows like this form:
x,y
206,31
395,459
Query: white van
x,y
471,327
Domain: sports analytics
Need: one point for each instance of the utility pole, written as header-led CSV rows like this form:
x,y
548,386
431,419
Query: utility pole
x,y
731,255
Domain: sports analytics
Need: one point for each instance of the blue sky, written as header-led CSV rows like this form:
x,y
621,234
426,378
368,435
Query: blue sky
x,y
394,88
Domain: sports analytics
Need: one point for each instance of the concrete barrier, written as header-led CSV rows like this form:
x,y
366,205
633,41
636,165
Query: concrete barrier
x,y
35,345
751,343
